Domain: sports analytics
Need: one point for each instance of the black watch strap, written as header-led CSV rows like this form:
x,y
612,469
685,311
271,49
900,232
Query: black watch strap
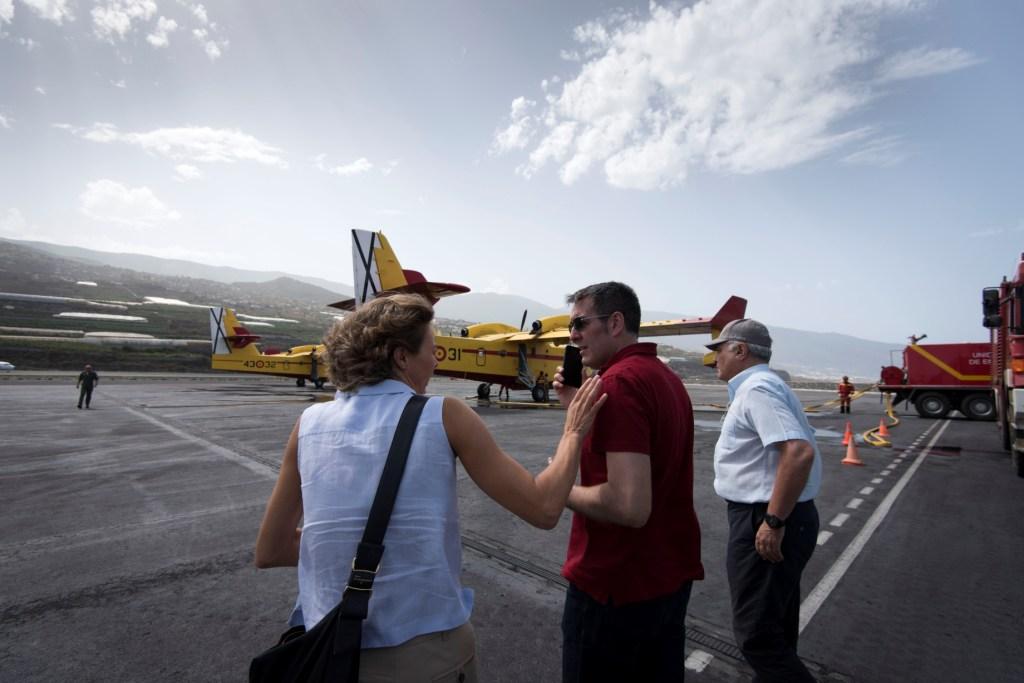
x,y
774,522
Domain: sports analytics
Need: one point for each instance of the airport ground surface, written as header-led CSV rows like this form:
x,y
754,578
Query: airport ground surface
x,y
127,534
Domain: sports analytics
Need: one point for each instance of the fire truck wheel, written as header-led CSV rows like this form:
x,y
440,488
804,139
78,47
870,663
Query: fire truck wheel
x,y
978,407
932,404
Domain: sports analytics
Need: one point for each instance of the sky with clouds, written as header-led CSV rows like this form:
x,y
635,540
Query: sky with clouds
x,y
848,166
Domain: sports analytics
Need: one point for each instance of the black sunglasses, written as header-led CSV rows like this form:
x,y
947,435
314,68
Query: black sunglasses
x,y
580,323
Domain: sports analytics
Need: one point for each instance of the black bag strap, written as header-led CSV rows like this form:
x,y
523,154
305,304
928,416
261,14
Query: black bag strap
x,y
356,598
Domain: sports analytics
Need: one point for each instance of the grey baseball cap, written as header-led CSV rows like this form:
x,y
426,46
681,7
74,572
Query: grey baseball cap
x,y
744,330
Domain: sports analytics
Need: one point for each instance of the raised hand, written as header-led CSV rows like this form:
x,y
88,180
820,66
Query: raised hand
x,y
584,404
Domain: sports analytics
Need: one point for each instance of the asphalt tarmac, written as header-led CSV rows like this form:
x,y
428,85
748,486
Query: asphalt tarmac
x,y
127,536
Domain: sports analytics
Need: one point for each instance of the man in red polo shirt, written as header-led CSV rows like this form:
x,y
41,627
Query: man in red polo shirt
x,y
635,545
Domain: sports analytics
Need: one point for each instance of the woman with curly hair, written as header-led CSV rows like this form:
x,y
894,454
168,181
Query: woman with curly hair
x,y
418,625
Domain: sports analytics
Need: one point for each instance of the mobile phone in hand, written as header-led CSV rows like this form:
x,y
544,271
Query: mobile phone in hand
x,y
572,367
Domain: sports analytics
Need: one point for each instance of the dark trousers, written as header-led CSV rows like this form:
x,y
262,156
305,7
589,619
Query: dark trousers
x,y
766,595
85,393
638,641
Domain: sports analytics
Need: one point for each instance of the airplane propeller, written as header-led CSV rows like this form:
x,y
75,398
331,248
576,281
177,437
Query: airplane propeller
x,y
522,323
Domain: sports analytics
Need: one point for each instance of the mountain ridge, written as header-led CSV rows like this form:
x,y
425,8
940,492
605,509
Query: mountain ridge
x,y
800,352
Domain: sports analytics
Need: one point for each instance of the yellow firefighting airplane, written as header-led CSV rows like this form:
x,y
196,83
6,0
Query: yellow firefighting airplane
x,y
491,353
235,350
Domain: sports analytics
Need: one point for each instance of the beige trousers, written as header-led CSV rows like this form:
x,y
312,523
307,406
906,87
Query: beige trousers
x,y
442,656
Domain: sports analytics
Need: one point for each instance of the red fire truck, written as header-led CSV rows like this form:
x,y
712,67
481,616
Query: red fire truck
x,y
938,378
1004,316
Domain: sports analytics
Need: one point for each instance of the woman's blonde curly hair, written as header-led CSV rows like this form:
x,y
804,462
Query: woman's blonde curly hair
x,y
358,348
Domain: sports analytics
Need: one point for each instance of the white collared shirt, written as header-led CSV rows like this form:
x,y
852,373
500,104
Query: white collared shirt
x,y
763,411
343,445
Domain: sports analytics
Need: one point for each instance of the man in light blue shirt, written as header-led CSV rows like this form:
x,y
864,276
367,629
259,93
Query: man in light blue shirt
x,y
768,469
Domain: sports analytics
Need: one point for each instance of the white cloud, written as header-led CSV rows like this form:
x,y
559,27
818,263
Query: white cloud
x,y
40,89
119,84
6,11
111,202
51,10
114,18
200,13
360,165
520,128
159,37
887,151
922,61
186,172
731,86
5,122
195,143
14,225
213,48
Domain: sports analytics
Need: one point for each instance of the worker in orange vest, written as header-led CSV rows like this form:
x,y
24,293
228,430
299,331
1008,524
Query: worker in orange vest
x,y
845,394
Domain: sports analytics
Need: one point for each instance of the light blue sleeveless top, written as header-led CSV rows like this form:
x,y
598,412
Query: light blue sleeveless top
x,y
342,448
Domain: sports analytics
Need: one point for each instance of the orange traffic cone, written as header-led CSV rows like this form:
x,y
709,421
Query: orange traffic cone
x,y
882,429
848,434
851,455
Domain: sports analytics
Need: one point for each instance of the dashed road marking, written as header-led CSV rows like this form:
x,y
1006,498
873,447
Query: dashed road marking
x,y
855,503
824,536
867,490
839,519
876,480
698,660
816,598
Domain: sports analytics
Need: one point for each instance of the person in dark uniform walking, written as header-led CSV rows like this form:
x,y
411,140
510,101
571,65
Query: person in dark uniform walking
x,y
87,380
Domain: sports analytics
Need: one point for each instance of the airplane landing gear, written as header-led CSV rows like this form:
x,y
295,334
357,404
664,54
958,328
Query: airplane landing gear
x,y
319,382
483,392
540,393
300,382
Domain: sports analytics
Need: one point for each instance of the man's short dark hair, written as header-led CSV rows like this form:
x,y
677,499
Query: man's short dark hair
x,y
609,297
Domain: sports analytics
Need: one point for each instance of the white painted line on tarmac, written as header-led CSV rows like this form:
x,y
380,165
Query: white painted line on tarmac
x,y
886,472
824,536
876,480
698,660
855,503
839,519
816,598
252,465
867,490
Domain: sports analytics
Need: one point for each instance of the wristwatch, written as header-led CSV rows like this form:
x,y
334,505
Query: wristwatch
x,y
774,522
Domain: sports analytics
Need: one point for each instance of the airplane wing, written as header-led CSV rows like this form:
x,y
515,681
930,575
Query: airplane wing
x,y
733,309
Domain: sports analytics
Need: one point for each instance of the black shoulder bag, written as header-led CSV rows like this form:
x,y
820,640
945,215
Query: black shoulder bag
x,y
330,650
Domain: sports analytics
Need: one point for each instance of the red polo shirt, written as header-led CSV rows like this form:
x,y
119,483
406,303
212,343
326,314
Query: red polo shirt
x,y
647,411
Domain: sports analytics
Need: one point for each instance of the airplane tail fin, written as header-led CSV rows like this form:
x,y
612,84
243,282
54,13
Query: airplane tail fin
x,y
376,271
228,336
733,309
